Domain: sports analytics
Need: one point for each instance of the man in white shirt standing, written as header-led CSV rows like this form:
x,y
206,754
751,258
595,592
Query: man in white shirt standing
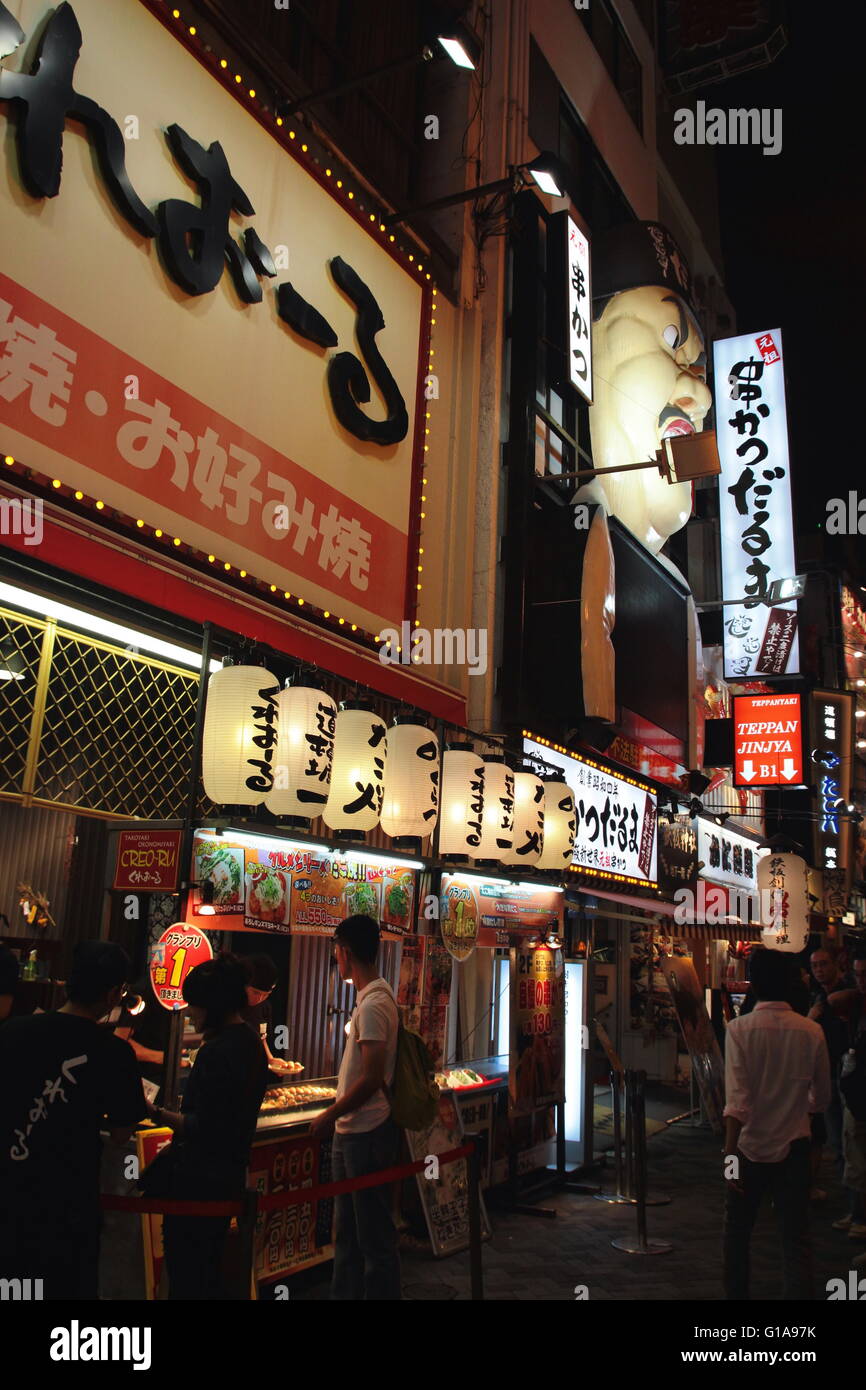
x,y
366,1254
777,1074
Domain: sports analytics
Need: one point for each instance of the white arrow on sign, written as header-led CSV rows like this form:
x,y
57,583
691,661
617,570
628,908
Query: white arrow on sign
x,y
747,771
789,769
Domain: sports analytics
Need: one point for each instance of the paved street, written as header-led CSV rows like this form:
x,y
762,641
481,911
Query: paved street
x,y
532,1258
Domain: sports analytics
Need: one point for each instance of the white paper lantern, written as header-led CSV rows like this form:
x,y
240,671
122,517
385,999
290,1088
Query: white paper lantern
x,y
411,804
498,823
358,773
783,888
240,735
305,751
528,819
560,824
462,812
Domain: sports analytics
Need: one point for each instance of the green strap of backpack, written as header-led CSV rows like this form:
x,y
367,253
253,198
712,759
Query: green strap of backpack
x,y
413,1093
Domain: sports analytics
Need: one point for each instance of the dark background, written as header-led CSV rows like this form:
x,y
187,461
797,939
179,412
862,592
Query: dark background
x,y
794,241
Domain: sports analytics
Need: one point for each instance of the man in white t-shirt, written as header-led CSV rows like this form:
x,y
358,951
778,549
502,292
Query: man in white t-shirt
x,y
366,1255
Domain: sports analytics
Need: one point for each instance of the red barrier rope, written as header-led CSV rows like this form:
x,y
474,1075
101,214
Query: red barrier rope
x,y
272,1201
159,1206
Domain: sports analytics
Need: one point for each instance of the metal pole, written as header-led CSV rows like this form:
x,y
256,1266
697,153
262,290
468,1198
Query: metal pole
x,y
170,1093
628,1190
640,1157
617,1129
636,1108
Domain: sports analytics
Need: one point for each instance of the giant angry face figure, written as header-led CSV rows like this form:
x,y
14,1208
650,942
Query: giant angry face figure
x,y
649,364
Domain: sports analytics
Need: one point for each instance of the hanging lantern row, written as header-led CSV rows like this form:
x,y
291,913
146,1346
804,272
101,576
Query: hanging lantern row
x,y
294,751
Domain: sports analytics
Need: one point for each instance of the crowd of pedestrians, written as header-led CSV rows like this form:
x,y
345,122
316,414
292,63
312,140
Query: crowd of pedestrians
x,y
69,1076
795,1084
795,1080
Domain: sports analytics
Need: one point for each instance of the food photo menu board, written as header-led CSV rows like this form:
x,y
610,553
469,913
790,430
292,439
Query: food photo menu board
x,y
269,885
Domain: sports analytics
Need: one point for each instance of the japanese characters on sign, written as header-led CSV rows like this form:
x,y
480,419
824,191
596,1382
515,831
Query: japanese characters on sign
x,y
783,885
677,853
292,1237
536,1067
140,429
147,861
726,856
832,756
755,505
181,947
487,912
616,817
444,1193
266,885
579,310
768,741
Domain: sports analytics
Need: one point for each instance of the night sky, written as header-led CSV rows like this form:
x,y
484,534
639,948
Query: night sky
x,y
794,239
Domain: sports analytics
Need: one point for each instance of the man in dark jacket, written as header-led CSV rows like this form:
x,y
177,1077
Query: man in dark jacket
x,y
64,1077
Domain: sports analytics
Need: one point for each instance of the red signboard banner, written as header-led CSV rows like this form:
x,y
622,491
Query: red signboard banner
x,y
293,1237
180,948
200,470
147,861
768,741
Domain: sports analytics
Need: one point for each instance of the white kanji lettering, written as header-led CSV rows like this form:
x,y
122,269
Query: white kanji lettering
x,y
66,1067
345,546
241,484
141,442
34,360
301,519
209,471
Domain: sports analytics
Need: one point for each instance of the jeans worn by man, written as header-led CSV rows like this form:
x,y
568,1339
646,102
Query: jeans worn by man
x,y
366,1139
777,1074
366,1256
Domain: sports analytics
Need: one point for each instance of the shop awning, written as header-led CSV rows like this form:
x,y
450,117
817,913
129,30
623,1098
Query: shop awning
x,y
722,931
115,562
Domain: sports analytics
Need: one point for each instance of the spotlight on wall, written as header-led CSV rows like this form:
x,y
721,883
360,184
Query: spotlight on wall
x,y
206,890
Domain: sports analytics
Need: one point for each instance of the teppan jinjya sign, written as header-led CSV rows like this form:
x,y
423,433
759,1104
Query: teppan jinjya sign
x,y
171,386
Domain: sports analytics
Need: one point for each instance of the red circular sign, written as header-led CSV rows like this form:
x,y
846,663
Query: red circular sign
x,y
179,949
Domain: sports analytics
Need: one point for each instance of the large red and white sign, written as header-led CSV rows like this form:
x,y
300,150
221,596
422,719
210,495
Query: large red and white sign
x,y
178,951
768,741
228,350
147,861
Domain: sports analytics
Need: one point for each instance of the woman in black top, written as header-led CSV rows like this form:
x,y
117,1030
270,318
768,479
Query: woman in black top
x,y
216,1125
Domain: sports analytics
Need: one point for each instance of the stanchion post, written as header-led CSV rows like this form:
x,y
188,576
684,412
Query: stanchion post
x,y
476,1274
640,1160
616,1094
628,1190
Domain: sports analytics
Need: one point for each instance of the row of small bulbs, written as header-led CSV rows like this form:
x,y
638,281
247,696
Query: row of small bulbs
x,y
250,722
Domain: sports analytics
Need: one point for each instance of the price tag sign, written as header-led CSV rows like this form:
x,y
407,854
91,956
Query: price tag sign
x,y
180,948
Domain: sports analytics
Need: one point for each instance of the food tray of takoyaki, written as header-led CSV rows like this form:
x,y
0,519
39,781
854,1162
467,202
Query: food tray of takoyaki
x,y
289,1100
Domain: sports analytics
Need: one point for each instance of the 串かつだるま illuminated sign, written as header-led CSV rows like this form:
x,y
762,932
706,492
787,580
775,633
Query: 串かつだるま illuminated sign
x,y
200,389
755,504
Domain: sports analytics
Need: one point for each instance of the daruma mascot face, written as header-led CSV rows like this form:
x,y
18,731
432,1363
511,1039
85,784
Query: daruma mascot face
x,y
650,382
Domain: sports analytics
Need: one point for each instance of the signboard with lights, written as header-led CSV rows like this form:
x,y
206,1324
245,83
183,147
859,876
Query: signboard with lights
x,y
579,310
768,741
616,817
832,755
727,856
755,505
208,340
